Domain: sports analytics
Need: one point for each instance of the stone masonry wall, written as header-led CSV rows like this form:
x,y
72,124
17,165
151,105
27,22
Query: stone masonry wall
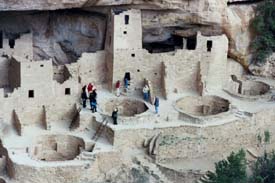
x,y
197,142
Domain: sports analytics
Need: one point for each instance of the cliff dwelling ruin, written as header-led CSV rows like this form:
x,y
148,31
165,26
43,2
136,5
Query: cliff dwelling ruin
x,y
209,104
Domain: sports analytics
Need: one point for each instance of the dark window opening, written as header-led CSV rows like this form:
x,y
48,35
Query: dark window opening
x,y
126,18
1,39
125,32
209,46
31,94
11,43
156,74
67,91
55,147
41,65
133,55
191,43
240,2
171,44
127,75
138,70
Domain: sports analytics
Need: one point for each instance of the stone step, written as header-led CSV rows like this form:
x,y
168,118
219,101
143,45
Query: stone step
x,y
153,170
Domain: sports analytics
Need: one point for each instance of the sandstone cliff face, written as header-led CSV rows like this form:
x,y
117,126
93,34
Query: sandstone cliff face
x,y
161,19
60,35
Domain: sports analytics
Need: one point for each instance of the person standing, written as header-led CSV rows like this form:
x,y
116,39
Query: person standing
x,y
146,93
90,87
84,96
156,104
126,83
94,94
115,115
118,88
93,105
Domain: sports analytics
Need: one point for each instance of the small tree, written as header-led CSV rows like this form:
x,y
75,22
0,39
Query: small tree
x,y
264,25
264,169
267,136
231,170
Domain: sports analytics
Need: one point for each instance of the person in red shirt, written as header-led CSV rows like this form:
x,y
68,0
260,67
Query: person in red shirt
x,y
118,88
90,87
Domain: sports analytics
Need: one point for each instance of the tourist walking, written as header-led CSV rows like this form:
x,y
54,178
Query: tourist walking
x,y
118,88
156,104
84,96
115,115
93,105
146,91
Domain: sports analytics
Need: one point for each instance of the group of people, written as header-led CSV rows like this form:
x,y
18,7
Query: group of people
x,y
126,83
89,92
146,96
145,91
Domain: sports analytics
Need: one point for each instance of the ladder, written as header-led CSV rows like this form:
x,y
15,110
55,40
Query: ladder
x,y
75,119
100,129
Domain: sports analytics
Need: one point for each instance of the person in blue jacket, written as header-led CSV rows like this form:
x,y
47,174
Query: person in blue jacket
x,y
156,104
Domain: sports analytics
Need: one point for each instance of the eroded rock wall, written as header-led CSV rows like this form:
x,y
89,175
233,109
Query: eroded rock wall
x,y
65,35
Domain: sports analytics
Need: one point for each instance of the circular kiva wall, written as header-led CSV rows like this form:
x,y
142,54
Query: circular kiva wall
x,y
202,106
126,107
57,147
2,180
254,88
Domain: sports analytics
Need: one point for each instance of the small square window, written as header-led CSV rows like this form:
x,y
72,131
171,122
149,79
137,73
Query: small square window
x,y
41,65
31,94
133,55
67,91
125,32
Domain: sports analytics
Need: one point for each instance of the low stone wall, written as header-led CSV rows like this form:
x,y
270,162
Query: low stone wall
x,y
75,171
195,141
52,174
126,107
178,176
215,141
57,147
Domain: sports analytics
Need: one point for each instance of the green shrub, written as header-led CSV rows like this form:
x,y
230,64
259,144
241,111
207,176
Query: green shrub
x,y
231,170
264,169
267,136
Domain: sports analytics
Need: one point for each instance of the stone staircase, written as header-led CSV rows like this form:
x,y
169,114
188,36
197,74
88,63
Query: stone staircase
x,y
203,178
152,169
86,156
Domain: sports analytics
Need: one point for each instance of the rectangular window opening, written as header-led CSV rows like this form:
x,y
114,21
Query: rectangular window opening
x,y
55,147
209,45
31,93
11,43
191,43
126,18
67,91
